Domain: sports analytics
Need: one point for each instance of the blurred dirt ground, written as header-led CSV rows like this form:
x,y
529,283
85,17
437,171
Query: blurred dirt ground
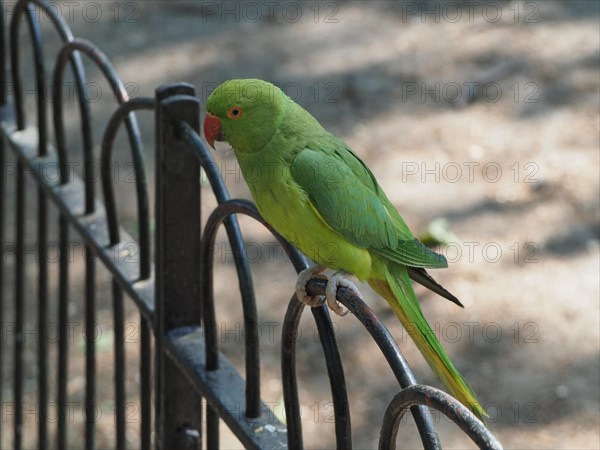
x,y
484,113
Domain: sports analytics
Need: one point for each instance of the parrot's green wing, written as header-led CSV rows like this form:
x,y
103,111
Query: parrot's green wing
x,y
344,192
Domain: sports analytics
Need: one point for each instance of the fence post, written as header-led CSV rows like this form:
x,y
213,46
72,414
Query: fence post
x,y
178,405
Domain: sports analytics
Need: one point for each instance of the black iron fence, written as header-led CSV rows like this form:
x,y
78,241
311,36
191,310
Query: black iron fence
x,y
180,363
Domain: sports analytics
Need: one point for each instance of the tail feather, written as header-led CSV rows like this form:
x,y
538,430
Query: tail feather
x,y
421,276
398,292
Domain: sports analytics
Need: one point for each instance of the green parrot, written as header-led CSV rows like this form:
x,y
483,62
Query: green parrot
x,y
312,188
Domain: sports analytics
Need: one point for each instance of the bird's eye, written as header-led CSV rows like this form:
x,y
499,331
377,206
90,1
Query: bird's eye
x,y
235,112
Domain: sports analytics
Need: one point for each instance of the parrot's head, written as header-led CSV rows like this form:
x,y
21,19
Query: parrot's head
x,y
244,113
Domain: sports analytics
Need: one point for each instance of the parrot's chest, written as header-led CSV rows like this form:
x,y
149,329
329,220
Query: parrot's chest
x,y
286,207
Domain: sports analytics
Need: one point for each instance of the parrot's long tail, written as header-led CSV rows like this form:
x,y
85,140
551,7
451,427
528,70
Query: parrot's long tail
x,y
397,290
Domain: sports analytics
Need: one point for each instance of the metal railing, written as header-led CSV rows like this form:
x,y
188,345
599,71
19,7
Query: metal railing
x,y
180,361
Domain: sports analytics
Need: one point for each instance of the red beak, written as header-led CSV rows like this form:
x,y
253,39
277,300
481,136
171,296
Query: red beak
x,y
212,129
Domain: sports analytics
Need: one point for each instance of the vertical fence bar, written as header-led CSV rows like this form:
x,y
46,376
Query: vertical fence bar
x,y
42,359
90,347
63,332
3,85
19,306
178,405
337,379
2,181
146,383
2,256
2,193
289,335
119,349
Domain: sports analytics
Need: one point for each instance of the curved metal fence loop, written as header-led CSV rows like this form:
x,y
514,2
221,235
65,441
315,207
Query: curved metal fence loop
x,y
209,236
40,77
103,63
418,394
106,157
66,35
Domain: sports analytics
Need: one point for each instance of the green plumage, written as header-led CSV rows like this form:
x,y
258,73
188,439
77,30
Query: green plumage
x,y
319,195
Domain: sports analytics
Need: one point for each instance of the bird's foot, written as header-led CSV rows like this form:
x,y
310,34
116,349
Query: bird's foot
x,y
338,280
303,278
